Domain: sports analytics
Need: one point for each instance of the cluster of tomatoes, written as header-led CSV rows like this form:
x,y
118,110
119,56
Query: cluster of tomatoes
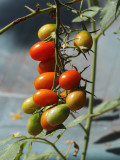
x,y
55,106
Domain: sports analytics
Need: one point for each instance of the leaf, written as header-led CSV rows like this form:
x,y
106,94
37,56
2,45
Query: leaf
x,y
117,6
100,109
106,14
9,151
22,146
6,139
118,31
86,14
47,154
29,147
30,156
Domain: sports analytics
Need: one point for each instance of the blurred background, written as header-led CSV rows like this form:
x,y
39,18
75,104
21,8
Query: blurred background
x,y
18,71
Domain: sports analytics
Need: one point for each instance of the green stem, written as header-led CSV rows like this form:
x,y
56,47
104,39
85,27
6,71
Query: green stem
x,y
34,13
90,110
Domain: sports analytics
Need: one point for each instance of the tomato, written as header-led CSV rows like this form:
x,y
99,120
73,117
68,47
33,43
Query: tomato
x,y
44,123
48,65
69,79
58,114
84,39
34,125
64,93
29,106
42,51
46,30
45,80
45,97
76,99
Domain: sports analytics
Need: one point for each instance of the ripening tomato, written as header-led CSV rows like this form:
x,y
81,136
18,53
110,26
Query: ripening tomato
x,y
58,114
45,80
34,125
45,97
29,106
84,39
48,65
69,79
76,99
42,50
45,31
64,93
44,123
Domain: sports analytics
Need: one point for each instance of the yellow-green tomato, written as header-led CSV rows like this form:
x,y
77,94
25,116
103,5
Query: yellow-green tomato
x,y
34,125
57,114
83,39
76,100
46,30
29,106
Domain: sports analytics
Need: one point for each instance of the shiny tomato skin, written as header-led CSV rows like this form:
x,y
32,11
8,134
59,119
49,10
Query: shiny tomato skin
x,y
45,97
58,114
45,80
76,100
42,50
47,66
34,125
45,125
84,39
29,106
45,31
69,79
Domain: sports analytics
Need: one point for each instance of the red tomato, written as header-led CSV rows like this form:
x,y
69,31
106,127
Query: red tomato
x,y
42,50
69,79
45,80
45,97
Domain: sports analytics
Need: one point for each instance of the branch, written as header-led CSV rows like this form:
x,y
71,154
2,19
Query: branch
x,y
28,16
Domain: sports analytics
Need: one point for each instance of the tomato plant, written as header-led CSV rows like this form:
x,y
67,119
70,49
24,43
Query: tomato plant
x,y
45,31
83,39
42,50
57,114
69,79
34,125
45,97
45,80
29,106
45,125
76,99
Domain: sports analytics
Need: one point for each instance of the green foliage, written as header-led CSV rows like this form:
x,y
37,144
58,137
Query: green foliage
x,y
106,14
100,109
118,31
117,6
96,2
6,139
22,146
9,151
30,156
48,154
87,14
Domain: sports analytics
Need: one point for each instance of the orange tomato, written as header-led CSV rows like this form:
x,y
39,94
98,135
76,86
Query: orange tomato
x,y
45,97
44,123
45,80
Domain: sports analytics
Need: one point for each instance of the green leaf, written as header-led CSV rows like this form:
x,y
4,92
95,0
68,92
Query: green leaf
x,y
87,14
100,109
29,147
30,156
6,139
22,146
10,151
118,31
106,14
47,154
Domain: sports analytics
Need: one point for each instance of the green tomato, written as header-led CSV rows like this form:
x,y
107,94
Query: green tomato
x,y
34,125
29,106
46,30
57,114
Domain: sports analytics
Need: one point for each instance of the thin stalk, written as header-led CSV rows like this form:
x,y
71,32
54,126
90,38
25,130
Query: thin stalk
x,y
28,16
91,99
